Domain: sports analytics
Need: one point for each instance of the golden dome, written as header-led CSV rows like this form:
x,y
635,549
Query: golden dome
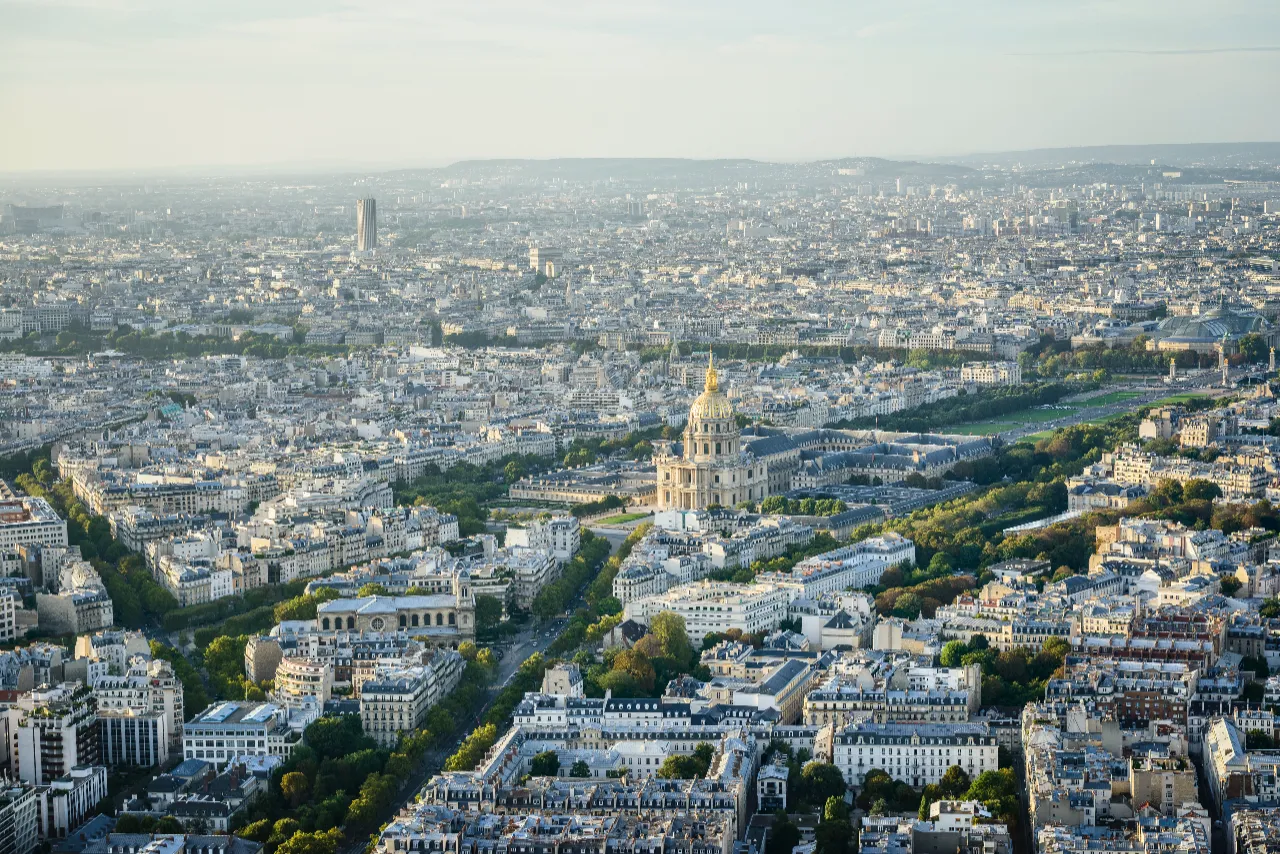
x,y
711,405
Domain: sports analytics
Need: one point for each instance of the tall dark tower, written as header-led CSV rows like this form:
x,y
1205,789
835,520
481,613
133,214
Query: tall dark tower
x,y
367,225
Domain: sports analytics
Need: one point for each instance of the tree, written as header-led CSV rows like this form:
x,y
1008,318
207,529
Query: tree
x,y
1253,347
373,588
702,755
473,748
954,783
998,792
676,767
1230,585
907,606
545,764
822,781
1256,739
295,787
1270,608
952,652
668,627
169,824
1200,490
467,650
940,564
282,830
488,612
580,769
832,837
258,831
620,684
783,836
318,842
636,664
835,809
337,736
1166,494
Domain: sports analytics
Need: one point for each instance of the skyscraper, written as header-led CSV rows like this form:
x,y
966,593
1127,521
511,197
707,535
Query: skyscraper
x,y
367,225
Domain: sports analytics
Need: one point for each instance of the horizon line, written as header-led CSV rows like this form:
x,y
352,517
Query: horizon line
x,y
335,168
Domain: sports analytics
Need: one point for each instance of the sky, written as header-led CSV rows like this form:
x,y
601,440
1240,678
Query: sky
x,y
151,85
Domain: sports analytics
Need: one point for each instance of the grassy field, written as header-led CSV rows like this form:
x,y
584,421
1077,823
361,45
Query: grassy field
x,y
1006,422
622,518
1036,437
1180,398
1111,397
1106,418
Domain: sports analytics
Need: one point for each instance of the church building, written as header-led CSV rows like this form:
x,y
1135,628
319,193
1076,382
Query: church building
x,y
711,466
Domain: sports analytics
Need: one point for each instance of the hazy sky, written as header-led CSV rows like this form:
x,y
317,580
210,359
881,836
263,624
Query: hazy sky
x,y
152,84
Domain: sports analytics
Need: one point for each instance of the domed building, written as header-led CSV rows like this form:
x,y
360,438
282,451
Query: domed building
x,y
710,467
1206,332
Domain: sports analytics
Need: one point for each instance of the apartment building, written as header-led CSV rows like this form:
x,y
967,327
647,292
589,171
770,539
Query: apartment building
x,y
51,731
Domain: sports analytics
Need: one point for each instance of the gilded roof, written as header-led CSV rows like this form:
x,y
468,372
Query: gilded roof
x,y
711,405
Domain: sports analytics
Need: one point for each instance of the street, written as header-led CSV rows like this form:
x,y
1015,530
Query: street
x,y
533,638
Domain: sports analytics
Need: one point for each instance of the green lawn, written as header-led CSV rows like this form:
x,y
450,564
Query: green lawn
x,y
622,518
1005,422
1111,397
1180,398
1106,418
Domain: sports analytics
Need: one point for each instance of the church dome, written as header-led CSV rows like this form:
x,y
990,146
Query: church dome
x,y
711,405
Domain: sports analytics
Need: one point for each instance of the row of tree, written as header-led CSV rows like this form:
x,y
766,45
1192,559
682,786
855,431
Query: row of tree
x,y
477,743
602,611
78,340
778,504
553,598
340,784
136,598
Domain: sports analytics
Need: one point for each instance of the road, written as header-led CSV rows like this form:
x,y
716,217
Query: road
x,y
615,536
534,638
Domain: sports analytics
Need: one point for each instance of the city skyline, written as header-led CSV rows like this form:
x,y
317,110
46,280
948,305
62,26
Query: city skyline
x,y
576,427
136,85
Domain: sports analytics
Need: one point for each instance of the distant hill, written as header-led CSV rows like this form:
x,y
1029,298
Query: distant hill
x,y
1216,153
604,168
879,167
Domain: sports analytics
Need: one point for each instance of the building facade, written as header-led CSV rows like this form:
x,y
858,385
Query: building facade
x,y
711,466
